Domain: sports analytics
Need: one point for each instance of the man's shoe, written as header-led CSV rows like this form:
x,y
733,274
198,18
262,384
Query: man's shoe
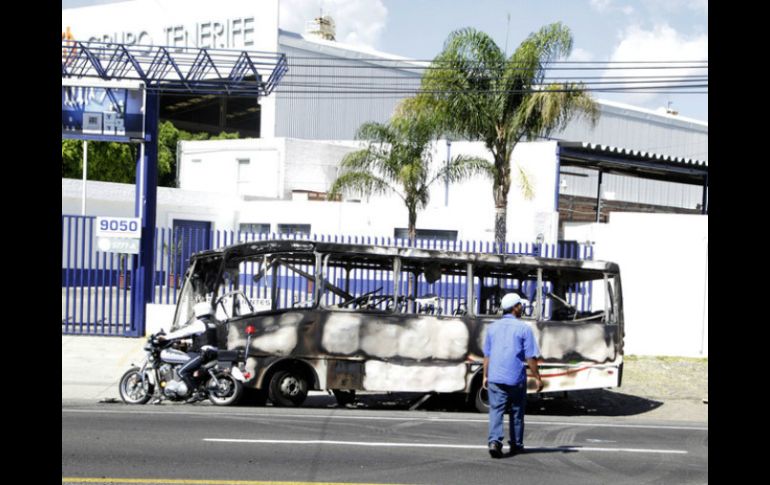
x,y
495,449
515,450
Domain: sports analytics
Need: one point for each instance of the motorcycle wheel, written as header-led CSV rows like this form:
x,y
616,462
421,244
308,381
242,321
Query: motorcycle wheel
x,y
227,393
132,390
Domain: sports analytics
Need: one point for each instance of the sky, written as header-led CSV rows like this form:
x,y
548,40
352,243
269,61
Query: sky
x,y
603,31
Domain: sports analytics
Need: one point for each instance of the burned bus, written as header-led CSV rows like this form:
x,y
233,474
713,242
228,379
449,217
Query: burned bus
x,y
348,317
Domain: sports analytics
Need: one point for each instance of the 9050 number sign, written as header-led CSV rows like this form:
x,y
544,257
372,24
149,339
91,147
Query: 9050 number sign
x,y
118,227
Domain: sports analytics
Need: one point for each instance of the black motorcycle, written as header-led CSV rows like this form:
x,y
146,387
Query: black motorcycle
x,y
220,380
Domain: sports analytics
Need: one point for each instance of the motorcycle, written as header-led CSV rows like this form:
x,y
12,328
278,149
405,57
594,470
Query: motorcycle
x,y
220,380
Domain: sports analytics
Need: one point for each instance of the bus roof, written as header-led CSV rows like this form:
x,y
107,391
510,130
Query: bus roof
x,y
246,249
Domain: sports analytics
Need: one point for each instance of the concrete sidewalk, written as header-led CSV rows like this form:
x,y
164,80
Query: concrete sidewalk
x,y
91,367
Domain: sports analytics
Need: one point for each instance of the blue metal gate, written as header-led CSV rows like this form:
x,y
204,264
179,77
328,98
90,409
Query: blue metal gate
x,y
96,286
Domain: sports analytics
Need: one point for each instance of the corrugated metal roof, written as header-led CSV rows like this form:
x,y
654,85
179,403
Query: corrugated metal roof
x,y
636,154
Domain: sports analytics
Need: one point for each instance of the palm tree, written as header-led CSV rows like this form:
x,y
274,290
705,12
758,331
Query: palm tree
x,y
398,160
473,91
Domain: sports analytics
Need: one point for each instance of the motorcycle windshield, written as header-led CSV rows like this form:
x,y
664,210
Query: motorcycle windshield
x,y
185,302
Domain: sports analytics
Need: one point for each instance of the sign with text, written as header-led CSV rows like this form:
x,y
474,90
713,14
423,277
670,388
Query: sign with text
x,y
119,227
122,245
118,234
104,111
234,24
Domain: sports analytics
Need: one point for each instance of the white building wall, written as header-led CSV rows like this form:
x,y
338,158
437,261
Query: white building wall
x,y
111,199
663,262
210,191
313,165
213,166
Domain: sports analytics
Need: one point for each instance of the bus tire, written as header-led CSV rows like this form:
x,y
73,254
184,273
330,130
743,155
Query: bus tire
x,y
480,399
288,388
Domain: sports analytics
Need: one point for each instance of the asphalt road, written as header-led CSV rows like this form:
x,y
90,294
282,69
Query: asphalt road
x,y
185,444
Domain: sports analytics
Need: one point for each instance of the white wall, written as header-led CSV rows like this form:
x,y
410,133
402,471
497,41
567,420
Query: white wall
x,y
313,165
211,192
663,262
111,199
471,208
212,166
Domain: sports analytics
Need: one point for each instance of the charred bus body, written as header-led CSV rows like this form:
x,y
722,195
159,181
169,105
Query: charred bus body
x,y
348,317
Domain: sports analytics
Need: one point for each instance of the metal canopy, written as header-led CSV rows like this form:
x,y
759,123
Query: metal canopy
x,y
180,69
166,69
620,161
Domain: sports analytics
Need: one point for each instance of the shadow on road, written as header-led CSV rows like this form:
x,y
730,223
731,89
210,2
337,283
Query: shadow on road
x,y
536,451
594,402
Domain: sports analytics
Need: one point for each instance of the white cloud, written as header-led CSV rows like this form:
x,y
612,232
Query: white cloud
x,y
580,55
600,5
660,44
358,22
701,6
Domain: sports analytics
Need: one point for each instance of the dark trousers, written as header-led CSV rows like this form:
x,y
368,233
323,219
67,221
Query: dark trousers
x,y
198,359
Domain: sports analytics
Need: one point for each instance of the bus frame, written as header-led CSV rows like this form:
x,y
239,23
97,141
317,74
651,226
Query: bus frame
x,y
346,337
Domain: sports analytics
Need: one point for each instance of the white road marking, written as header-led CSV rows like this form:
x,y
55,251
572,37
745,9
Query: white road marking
x,y
381,418
438,445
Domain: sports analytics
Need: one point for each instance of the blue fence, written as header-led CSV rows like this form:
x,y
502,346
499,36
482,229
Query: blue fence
x,y
96,286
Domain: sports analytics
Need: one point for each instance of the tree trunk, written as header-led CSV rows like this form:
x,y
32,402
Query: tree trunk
x,y
500,193
412,226
412,241
501,214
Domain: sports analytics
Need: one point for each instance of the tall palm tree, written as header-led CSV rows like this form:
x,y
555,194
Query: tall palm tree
x,y
398,159
474,92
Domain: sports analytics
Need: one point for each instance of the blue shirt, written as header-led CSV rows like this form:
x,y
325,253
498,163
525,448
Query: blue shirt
x,y
508,345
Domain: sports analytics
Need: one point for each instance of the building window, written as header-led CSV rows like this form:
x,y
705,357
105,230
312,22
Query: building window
x,y
429,234
303,229
255,228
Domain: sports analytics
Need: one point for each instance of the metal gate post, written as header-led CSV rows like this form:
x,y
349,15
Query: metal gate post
x,y
146,208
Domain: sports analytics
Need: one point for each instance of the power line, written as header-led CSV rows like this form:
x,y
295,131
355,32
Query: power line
x,y
391,90
477,67
382,59
586,85
370,97
399,76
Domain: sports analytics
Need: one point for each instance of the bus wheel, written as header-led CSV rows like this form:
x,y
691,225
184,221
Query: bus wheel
x,y
288,388
481,399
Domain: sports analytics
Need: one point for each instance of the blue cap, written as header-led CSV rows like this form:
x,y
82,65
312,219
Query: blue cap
x,y
511,300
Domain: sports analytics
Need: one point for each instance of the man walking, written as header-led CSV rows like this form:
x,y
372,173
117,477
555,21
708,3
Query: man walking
x,y
509,343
